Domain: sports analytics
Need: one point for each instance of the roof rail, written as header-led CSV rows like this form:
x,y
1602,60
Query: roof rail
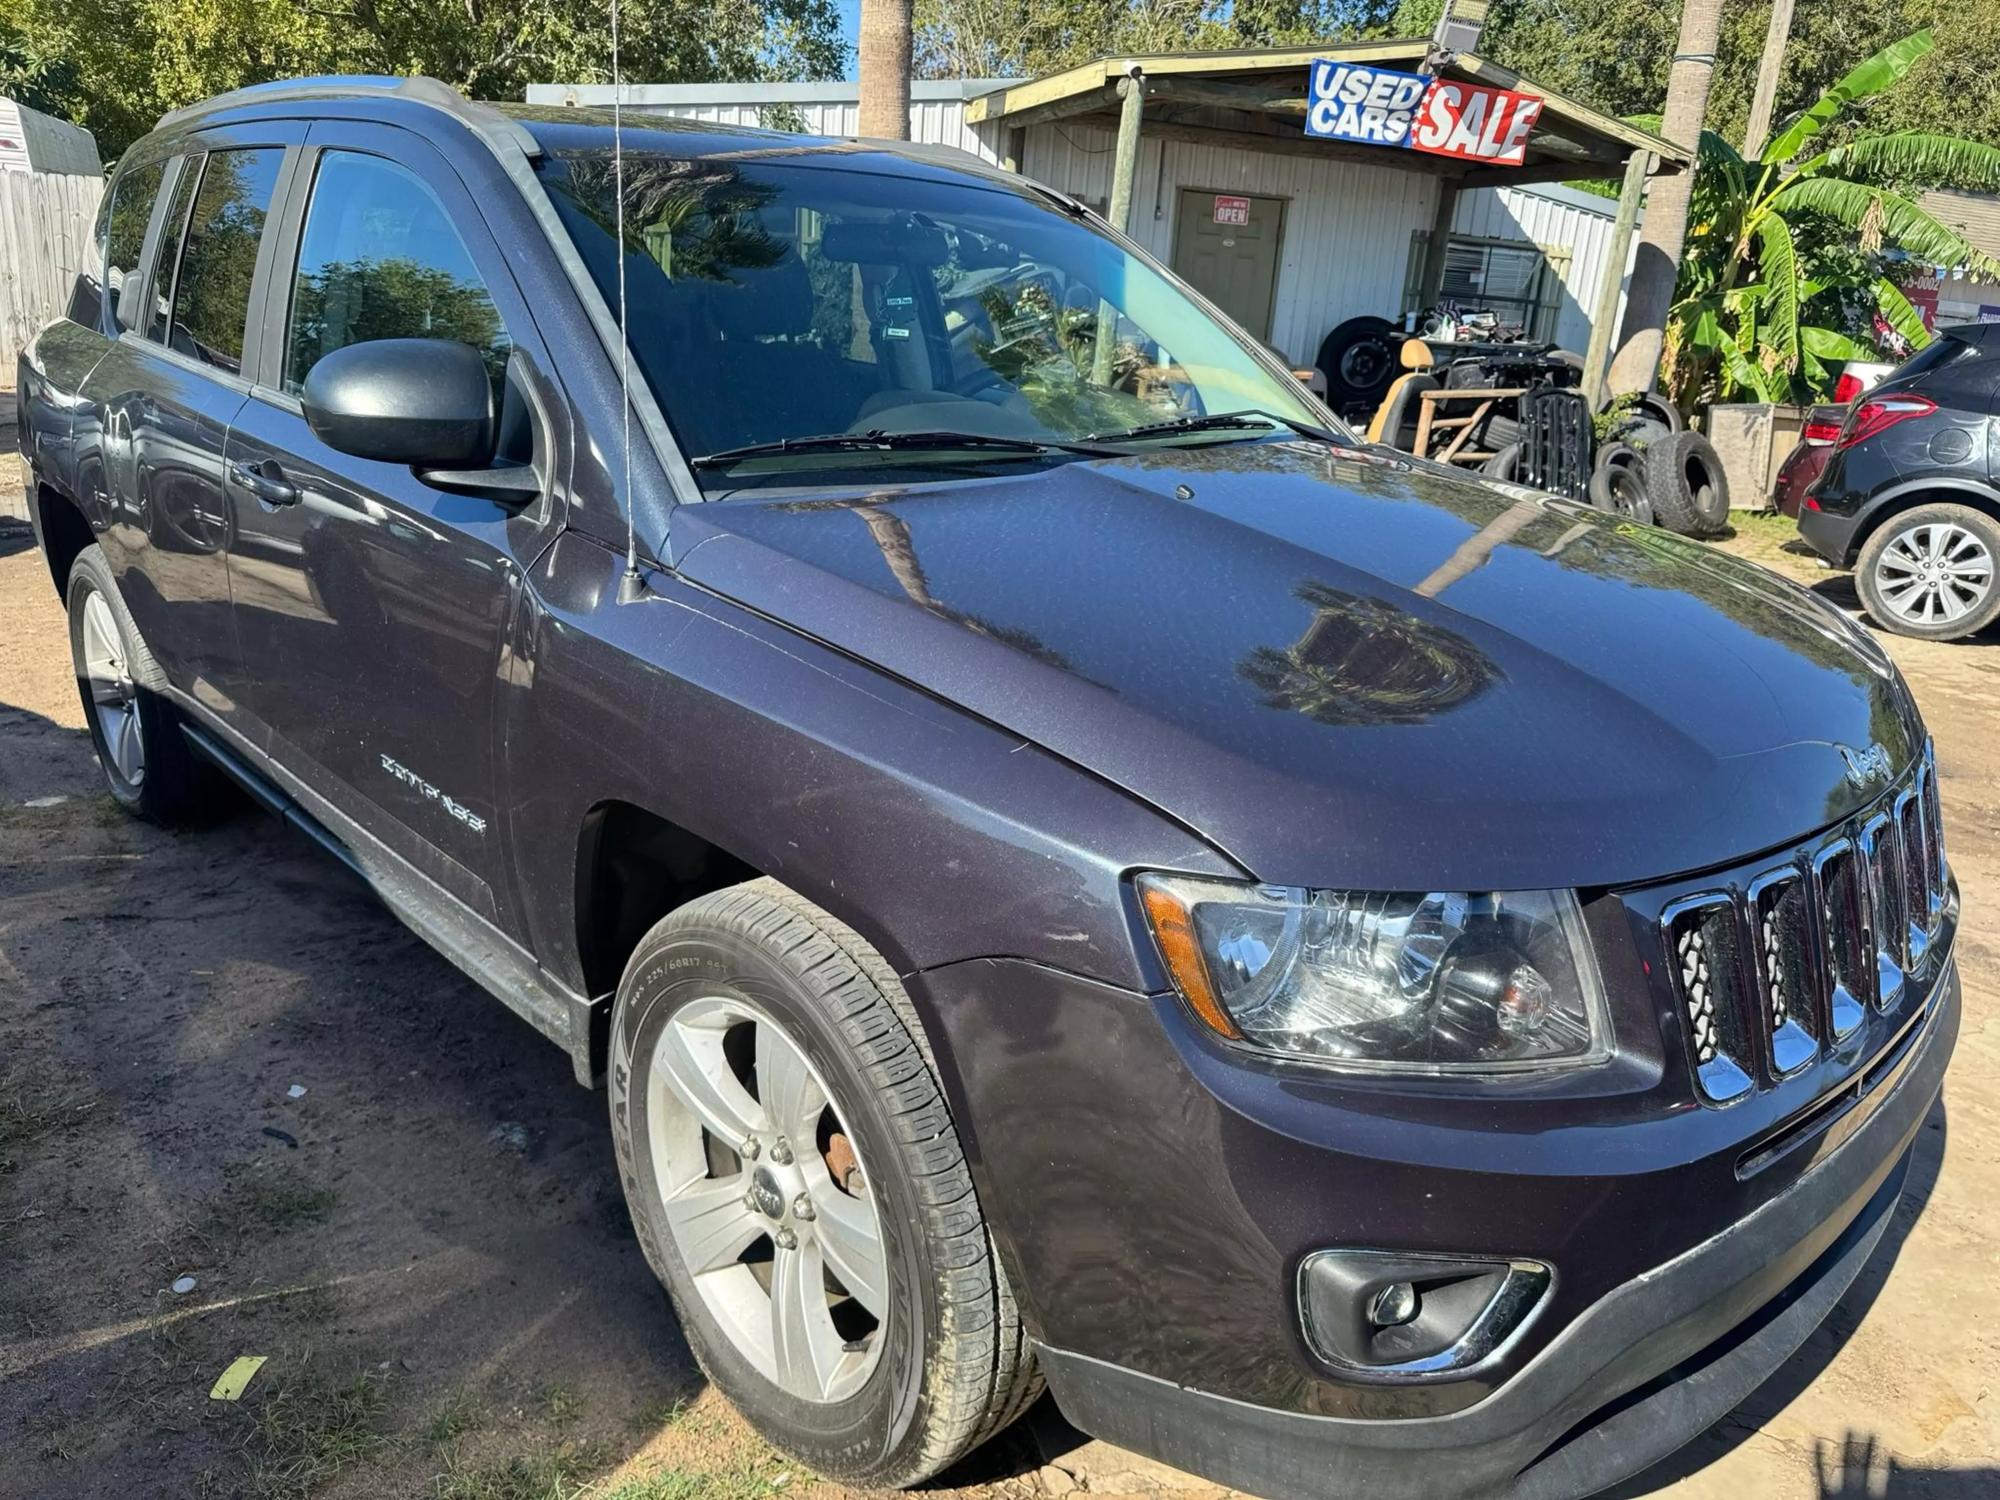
x,y
417,89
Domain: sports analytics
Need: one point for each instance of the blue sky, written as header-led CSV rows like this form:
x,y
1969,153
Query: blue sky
x,y
850,28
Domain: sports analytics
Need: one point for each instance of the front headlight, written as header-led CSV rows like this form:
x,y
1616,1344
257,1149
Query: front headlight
x,y
1414,982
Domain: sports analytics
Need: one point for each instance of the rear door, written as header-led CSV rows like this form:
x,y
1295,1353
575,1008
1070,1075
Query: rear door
x,y
373,608
168,390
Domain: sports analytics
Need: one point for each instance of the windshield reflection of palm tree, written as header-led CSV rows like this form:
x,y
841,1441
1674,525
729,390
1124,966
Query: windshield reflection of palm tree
x,y
892,535
1365,661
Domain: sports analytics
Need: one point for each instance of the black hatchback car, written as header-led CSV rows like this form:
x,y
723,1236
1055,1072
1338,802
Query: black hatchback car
x,y
1069,866
1910,496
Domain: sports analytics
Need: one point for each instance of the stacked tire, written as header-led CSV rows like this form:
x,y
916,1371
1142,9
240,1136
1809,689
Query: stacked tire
x,y
1684,481
1653,471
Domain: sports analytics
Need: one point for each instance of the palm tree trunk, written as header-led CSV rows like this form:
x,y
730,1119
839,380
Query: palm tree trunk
x,y
885,69
1637,362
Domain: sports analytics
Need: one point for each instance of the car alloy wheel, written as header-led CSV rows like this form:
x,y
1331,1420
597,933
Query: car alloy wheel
x,y
114,697
767,1199
1934,574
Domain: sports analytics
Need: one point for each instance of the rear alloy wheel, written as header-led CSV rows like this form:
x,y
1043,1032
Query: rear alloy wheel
x,y
797,1183
152,771
1930,572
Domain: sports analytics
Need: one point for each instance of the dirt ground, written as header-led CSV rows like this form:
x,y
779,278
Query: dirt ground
x,y
222,1060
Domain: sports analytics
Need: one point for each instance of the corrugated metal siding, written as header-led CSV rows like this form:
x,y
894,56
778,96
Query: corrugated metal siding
x,y
937,122
1558,220
1347,226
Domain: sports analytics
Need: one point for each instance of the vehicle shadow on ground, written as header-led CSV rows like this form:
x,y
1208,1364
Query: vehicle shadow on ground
x,y
15,536
437,1215
1812,1357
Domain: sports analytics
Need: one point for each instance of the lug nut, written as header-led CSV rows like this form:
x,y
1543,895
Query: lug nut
x,y
751,1149
802,1209
786,1239
781,1152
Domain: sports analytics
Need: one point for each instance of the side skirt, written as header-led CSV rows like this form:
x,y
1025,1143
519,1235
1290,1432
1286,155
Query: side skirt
x,y
476,947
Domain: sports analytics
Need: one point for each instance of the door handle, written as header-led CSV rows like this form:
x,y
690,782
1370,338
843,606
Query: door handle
x,y
270,491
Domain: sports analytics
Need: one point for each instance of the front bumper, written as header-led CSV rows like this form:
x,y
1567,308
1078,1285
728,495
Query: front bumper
x,y
1630,1376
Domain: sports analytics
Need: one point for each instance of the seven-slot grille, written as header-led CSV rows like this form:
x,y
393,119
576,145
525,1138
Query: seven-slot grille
x,y
1770,976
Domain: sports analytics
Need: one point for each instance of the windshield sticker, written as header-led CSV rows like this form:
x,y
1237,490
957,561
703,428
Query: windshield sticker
x,y
443,799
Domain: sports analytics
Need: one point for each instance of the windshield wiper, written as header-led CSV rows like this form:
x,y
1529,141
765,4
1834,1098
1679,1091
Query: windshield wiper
x,y
939,441
1218,422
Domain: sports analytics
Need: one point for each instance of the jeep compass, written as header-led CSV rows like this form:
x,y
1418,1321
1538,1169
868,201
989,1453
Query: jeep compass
x,y
1068,866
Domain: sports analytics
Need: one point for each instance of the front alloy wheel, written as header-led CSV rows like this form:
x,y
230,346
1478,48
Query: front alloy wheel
x,y
1930,572
784,1243
796,1181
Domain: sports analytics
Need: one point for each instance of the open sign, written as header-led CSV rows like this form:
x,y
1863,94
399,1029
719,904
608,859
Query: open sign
x,y
1230,210
1440,116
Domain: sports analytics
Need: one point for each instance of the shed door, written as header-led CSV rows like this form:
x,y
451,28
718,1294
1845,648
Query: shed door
x,y
1226,245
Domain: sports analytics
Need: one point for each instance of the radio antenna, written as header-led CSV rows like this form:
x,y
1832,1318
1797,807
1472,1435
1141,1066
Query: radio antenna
x,y
628,588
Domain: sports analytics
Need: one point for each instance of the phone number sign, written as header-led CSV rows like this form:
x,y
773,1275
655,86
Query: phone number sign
x,y
1441,116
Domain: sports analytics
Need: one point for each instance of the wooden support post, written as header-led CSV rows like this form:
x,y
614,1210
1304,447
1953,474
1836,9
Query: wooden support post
x,y
1124,167
1604,321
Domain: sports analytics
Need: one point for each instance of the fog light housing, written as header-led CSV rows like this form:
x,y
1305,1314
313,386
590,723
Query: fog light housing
x,y
1386,1316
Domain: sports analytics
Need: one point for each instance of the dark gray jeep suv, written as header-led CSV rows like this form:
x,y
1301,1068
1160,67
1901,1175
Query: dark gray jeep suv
x,y
1069,866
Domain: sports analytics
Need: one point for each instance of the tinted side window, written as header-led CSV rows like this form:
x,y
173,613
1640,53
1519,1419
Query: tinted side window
x,y
86,293
212,292
168,254
132,196
379,259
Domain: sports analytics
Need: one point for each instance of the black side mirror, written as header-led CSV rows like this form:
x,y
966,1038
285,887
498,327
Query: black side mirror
x,y
427,403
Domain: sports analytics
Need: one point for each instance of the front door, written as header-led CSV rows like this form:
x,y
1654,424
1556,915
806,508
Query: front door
x,y
1226,247
373,607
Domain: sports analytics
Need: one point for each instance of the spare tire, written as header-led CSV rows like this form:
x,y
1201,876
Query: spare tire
x,y
1685,482
1358,359
1616,485
1505,464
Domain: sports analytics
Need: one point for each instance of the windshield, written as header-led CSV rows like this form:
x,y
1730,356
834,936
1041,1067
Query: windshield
x,y
770,302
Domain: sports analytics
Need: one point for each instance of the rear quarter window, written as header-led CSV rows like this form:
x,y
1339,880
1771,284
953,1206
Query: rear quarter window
x,y
132,195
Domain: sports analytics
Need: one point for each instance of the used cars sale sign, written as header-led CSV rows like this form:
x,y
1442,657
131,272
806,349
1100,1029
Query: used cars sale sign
x,y
1382,107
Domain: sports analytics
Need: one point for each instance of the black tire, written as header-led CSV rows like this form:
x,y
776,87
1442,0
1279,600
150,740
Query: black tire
x,y
1617,486
1505,464
957,1369
170,784
1358,359
1877,590
1685,482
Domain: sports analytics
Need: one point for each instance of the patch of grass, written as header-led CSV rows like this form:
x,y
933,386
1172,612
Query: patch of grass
x,y
562,1473
309,1432
31,1108
268,1201
458,1415
754,1479
662,1412
562,1403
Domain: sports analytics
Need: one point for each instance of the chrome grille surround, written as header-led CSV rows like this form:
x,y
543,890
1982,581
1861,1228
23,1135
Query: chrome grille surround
x,y
1703,934
1780,968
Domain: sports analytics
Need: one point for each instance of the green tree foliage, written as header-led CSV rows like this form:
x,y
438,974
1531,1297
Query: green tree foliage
x,y
117,65
1018,38
1614,55
1782,251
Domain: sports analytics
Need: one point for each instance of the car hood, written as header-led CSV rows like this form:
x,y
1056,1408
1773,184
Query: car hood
x,y
1343,668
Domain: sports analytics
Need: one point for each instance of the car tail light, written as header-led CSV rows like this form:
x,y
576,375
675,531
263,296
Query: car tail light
x,y
1880,413
1821,433
1846,388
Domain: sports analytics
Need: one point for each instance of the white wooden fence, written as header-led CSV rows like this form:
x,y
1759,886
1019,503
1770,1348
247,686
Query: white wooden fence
x,y
45,238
